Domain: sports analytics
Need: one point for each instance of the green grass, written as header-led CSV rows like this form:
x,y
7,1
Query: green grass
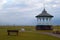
x,y
57,27
24,35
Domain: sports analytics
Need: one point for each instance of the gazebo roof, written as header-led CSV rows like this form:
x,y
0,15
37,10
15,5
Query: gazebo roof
x,y
44,14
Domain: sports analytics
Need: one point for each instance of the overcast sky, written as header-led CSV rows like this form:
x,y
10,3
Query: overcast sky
x,y
23,12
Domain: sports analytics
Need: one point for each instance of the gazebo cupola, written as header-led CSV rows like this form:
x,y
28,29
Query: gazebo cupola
x,y
44,20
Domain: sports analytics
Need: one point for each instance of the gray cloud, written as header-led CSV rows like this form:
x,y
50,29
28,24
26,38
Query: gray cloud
x,y
23,12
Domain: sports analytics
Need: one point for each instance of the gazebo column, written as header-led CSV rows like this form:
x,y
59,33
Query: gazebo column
x,y
47,21
50,21
40,21
37,21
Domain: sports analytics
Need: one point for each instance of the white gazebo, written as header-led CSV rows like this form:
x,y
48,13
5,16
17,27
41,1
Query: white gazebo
x,y
44,21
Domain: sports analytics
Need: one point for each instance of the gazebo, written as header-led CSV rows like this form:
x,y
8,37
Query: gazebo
x,y
44,21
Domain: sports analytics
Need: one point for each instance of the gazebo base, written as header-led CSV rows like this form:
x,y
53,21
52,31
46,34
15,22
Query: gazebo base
x,y
43,27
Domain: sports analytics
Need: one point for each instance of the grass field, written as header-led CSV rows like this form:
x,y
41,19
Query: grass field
x,y
33,35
